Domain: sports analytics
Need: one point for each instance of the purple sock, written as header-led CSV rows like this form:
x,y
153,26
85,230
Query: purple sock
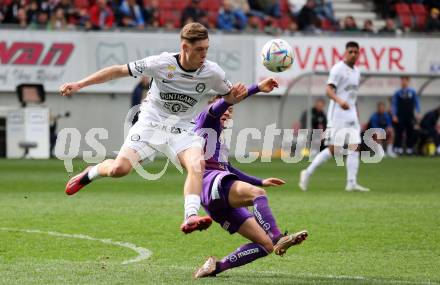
x,y
241,256
265,219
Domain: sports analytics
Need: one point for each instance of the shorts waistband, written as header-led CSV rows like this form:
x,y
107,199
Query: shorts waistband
x,y
166,128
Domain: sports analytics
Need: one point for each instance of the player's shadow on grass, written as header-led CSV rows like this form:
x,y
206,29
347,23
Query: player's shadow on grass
x,y
257,277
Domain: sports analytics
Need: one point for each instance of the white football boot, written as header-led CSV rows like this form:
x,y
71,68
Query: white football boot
x,y
287,241
207,269
351,187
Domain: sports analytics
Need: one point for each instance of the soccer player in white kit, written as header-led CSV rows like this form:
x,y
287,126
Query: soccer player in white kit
x,y
342,119
179,82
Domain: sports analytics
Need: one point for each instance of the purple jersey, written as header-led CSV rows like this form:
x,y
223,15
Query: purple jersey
x,y
210,119
219,174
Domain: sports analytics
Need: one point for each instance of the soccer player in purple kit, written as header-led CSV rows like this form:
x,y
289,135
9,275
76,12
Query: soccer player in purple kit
x,y
227,192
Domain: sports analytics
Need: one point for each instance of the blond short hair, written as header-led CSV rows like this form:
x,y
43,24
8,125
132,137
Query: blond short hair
x,y
194,32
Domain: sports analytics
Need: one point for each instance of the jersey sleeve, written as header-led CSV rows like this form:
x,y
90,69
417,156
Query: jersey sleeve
x,y
334,77
221,85
144,67
245,177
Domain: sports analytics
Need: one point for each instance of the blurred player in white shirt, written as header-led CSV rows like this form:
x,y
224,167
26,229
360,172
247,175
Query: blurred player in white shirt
x,y
179,81
343,126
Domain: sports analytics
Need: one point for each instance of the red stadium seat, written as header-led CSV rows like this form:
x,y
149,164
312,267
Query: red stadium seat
x,y
180,4
326,25
81,3
165,5
211,5
284,6
212,17
421,14
284,22
403,9
166,16
406,21
404,14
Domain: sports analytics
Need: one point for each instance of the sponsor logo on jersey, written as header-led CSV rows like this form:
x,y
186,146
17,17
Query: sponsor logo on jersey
x,y
266,226
135,137
170,75
171,67
247,252
200,87
258,216
232,258
178,97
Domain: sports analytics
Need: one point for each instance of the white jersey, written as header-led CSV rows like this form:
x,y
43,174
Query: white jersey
x,y
346,80
174,90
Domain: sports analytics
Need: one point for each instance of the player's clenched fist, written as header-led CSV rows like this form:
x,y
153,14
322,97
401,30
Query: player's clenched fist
x,y
68,89
268,84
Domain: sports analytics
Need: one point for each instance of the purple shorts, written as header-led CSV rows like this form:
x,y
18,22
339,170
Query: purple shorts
x,y
216,186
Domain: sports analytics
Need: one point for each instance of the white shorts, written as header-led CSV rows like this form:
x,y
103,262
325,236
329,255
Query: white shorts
x,y
342,133
147,139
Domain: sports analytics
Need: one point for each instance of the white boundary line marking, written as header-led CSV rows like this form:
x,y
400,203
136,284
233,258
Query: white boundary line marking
x,y
143,253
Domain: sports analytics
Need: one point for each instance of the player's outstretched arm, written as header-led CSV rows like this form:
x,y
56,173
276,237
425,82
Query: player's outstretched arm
x,y
101,76
267,85
242,176
237,93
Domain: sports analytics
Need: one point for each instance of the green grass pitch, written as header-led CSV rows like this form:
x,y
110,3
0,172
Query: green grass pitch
x,y
388,236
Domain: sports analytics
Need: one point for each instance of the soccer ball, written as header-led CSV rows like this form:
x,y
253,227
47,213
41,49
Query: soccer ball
x,y
277,55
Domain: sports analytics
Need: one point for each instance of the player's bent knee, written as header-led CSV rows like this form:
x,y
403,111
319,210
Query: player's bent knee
x,y
259,192
119,169
197,167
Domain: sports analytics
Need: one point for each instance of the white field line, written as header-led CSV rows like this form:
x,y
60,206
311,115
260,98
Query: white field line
x,y
143,253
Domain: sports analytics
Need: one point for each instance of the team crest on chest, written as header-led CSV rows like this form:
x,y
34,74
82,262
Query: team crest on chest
x,y
170,73
200,87
176,107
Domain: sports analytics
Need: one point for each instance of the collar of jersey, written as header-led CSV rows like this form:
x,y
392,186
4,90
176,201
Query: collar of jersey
x,y
177,56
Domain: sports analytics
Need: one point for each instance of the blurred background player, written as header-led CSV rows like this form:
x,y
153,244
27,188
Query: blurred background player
x,y
164,121
428,129
342,116
382,119
318,121
227,192
406,112
139,94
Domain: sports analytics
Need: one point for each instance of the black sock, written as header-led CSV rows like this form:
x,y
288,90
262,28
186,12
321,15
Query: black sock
x,y
85,179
